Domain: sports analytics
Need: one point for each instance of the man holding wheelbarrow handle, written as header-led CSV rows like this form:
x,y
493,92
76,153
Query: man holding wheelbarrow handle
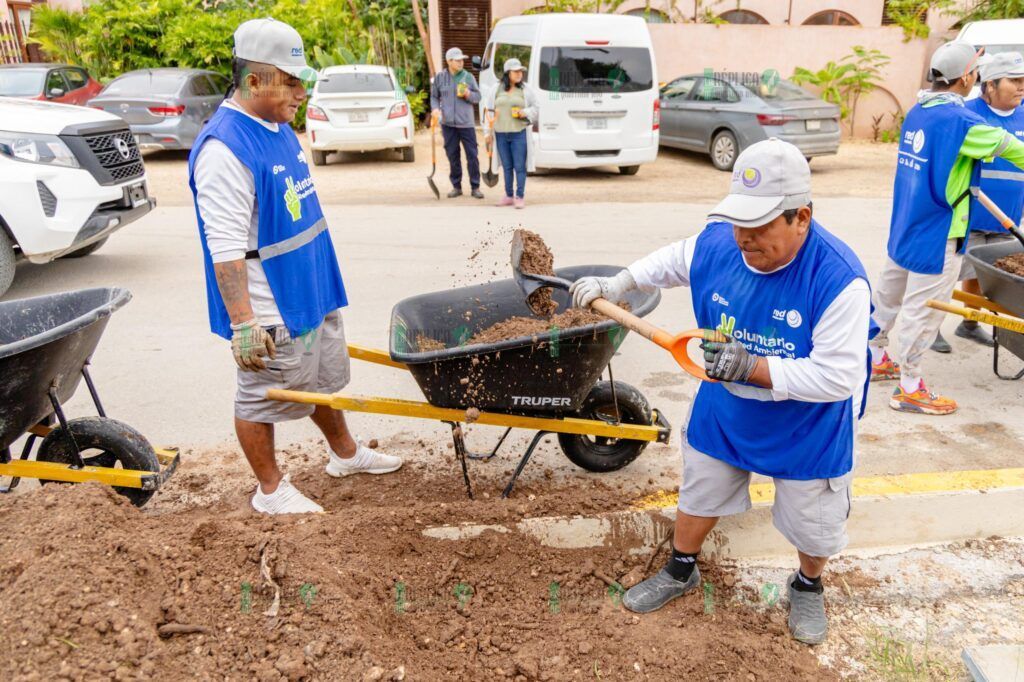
x,y
272,279
453,97
792,302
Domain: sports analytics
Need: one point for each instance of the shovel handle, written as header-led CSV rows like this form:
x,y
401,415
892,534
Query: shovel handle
x,y
997,212
626,319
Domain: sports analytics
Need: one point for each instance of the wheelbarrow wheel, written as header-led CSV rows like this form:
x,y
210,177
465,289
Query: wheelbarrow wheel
x,y
103,442
599,453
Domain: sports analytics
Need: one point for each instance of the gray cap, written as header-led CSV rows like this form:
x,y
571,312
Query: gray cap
x,y
269,41
513,64
769,177
953,61
1002,65
454,53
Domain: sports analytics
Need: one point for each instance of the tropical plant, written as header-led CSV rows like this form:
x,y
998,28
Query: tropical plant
x,y
843,82
994,9
912,15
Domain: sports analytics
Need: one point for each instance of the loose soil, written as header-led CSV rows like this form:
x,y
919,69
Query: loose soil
x,y
91,587
515,327
1013,264
537,260
425,344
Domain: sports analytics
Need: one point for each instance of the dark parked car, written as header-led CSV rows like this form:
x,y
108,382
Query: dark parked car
x,y
721,117
165,108
60,83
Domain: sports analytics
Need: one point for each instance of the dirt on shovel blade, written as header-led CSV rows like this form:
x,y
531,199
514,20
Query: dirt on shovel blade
x,y
538,260
1013,264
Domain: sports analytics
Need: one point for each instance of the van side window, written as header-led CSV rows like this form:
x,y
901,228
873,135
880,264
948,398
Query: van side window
x,y
503,52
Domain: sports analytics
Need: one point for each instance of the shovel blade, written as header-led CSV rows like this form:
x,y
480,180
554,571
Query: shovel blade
x,y
433,187
490,179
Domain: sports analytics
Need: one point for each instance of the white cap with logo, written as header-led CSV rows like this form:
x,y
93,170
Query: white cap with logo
x,y
269,41
513,64
953,61
768,178
1002,65
454,53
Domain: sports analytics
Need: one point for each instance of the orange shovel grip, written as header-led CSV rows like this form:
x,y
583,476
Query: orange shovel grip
x,y
669,342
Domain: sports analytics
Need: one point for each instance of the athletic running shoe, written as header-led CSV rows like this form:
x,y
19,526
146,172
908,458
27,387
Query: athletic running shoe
x,y
285,500
885,370
975,333
807,620
365,461
921,401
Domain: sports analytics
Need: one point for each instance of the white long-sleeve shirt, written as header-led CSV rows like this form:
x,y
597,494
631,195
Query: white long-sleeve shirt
x,y
837,366
226,198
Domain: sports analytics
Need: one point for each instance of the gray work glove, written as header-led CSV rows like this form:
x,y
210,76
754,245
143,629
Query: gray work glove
x,y
586,290
250,343
728,360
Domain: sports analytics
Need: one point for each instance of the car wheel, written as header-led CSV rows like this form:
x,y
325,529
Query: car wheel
x,y
724,150
7,262
408,154
628,170
85,251
319,158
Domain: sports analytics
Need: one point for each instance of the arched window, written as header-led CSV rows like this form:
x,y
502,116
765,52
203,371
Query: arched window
x,y
651,16
832,17
742,16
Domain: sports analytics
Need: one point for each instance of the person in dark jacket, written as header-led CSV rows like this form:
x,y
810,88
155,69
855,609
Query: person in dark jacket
x,y
453,95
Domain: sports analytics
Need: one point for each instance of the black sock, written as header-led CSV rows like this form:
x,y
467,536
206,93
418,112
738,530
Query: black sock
x,y
804,584
680,565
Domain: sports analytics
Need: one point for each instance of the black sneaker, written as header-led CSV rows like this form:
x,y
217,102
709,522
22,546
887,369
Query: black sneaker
x,y
457,192
476,193
940,345
975,333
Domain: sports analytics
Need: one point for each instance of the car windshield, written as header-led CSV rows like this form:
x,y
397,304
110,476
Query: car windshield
x,y
595,69
21,82
146,83
781,91
355,82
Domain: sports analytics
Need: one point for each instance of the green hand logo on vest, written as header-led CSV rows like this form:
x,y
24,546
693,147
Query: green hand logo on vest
x,y
292,201
727,325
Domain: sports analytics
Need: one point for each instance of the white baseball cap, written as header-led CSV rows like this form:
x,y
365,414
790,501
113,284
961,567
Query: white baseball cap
x,y
1002,65
454,53
768,178
513,64
953,61
269,41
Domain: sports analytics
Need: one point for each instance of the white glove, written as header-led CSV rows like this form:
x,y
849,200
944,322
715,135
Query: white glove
x,y
586,290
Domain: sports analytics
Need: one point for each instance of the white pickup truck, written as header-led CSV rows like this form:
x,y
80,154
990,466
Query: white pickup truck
x,y
69,177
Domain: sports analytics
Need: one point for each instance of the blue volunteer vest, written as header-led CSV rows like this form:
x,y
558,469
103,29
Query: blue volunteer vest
x,y
771,314
930,143
1000,180
293,243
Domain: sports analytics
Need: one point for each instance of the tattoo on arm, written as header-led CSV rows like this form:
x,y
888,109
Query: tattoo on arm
x,y
233,283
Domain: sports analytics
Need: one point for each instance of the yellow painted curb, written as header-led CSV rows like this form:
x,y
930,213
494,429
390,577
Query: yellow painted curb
x,y
879,486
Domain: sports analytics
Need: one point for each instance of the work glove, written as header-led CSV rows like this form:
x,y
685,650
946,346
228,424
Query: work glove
x,y
250,343
586,290
728,360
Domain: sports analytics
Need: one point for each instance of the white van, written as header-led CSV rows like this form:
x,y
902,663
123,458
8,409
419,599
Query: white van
x,y
596,80
995,35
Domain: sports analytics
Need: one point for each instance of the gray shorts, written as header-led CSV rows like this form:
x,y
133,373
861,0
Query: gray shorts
x,y
975,238
316,361
810,514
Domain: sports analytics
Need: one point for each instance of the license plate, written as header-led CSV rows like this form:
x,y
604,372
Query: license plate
x,y
358,117
814,124
137,194
597,124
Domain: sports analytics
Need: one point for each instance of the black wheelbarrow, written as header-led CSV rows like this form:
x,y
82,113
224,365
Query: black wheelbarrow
x,y
45,347
551,382
1003,297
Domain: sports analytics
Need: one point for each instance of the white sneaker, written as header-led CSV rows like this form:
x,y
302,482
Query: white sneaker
x,y
365,461
285,500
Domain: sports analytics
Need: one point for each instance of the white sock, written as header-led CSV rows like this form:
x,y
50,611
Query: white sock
x,y
910,384
877,354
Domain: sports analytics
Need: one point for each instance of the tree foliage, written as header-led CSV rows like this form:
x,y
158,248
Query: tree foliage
x,y
843,82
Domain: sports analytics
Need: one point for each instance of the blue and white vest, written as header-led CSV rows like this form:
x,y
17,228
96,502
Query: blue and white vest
x,y
294,246
772,314
1000,180
922,215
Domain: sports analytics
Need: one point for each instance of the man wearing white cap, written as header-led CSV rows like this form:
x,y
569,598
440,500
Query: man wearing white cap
x,y
1002,89
273,284
940,143
454,95
794,303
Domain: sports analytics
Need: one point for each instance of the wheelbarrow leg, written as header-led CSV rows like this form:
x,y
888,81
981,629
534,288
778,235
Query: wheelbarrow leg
x,y
522,463
77,462
995,360
460,454
92,390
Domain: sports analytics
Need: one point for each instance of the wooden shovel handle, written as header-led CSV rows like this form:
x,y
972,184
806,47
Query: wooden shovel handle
x,y
627,319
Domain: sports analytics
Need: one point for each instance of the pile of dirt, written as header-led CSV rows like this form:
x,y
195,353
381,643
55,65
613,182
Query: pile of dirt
x,y
92,588
426,344
537,260
1013,264
515,327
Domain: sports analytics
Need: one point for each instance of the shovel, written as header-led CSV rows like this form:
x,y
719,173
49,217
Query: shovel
x,y
490,177
674,344
433,157
1004,219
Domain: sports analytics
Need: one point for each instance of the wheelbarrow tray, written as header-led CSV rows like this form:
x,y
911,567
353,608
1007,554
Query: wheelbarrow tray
x,y
1001,287
44,343
548,374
